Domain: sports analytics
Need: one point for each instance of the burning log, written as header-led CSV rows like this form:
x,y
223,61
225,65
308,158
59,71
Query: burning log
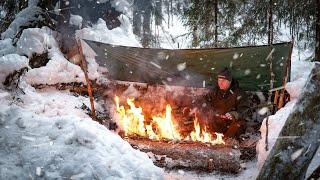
x,y
191,155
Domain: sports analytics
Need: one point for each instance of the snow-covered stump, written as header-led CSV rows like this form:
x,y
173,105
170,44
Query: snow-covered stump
x,y
192,155
299,138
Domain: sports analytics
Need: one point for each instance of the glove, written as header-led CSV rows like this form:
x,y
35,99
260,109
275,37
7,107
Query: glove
x,y
232,115
228,116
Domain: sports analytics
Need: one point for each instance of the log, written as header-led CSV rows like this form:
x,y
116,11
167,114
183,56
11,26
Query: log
x,y
291,156
191,155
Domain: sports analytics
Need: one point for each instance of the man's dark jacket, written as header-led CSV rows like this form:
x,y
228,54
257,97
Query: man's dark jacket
x,y
232,101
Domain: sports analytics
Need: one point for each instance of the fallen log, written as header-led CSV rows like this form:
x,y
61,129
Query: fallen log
x,y
191,155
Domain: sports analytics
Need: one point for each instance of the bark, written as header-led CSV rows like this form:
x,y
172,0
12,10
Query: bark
x,y
270,23
317,50
292,154
195,38
137,18
158,12
191,155
216,23
146,38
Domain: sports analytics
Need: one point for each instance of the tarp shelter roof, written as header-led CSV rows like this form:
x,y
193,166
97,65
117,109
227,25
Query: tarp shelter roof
x,y
194,67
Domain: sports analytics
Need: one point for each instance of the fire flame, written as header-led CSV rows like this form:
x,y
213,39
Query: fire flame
x,y
132,122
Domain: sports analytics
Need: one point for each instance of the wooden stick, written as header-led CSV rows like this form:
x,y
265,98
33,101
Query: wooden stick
x,y
272,76
85,70
275,101
285,79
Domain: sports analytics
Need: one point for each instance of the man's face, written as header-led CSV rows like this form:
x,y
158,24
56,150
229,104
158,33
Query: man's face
x,y
223,84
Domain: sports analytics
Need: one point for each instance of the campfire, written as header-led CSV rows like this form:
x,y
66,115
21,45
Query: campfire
x,y
156,122
160,127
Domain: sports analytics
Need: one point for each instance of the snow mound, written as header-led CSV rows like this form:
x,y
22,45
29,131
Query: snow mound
x,y
68,147
6,47
276,122
9,63
58,69
118,36
36,41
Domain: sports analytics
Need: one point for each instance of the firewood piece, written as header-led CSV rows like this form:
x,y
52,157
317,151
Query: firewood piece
x,y
191,155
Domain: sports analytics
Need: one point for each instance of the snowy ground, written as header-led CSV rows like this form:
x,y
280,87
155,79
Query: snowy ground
x,y
45,133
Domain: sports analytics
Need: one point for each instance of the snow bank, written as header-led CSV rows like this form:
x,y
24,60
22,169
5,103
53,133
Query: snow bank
x,y
6,47
9,63
276,122
36,41
300,71
58,69
66,146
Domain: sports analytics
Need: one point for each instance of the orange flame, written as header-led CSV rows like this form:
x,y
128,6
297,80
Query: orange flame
x,y
133,123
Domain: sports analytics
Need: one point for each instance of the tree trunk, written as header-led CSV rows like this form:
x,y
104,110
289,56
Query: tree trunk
x,y
270,23
299,138
158,12
195,39
216,23
146,39
317,51
191,155
136,18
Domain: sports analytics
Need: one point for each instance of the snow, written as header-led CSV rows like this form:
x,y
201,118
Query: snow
x,y
6,47
75,20
58,69
68,145
300,71
23,18
45,133
122,35
118,36
9,63
36,41
121,5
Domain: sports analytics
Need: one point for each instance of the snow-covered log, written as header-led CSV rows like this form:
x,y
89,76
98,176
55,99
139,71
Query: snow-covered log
x,y
299,138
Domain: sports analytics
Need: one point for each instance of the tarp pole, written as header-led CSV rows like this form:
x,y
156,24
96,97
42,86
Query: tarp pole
x,y
272,76
85,70
285,79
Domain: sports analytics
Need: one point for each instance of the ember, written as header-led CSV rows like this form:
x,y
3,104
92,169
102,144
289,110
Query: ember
x,y
133,122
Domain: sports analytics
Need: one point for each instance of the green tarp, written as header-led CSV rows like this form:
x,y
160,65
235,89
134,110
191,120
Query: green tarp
x,y
194,67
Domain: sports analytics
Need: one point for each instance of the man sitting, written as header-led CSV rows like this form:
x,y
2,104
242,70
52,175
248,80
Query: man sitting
x,y
229,106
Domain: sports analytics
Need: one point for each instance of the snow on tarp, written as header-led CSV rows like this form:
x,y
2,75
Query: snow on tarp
x,y
66,146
